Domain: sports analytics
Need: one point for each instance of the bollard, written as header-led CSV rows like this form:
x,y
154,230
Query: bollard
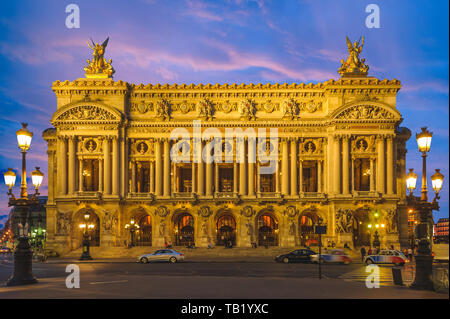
x,y
397,276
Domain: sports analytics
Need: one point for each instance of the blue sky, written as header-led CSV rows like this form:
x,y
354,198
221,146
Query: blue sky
x,y
232,41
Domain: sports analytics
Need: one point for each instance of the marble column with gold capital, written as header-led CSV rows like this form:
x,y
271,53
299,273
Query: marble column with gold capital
x,y
72,165
62,165
390,165
380,164
158,168
166,168
345,165
200,169
293,142
251,166
115,166
285,168
107,166
336,165
242,168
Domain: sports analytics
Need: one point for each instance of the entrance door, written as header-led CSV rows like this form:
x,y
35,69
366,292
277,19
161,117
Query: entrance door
x,y
226,230
306,230
184,234
267,230
144,234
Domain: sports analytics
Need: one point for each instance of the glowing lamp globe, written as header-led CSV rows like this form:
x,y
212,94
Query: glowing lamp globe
x,y
424,140
411,179
436,180
37,177
10,178
24,137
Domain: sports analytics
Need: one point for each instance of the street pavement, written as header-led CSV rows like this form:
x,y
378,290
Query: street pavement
x,y
197,278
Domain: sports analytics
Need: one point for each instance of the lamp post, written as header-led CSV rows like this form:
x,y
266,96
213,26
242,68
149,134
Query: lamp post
x,y
132,227
86,227
424,258
23,255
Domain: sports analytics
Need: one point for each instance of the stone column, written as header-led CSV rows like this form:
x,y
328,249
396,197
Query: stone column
x,y
193,179
158,168
107,166
258,178
242,169
51,176
175,182
345,166
115,166
216,177
166,168
294,167
72,165
285,168
319,176
300,175
380,164
152,177
336,166
372,175
62,166
209,171
100,175
200,170
277,178
80,174
133,176
251,167
390,166
353,175
235,176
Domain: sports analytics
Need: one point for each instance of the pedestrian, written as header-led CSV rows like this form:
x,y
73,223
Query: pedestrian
x,y
410,254
370,252
346,246
165,244
392,247
363,253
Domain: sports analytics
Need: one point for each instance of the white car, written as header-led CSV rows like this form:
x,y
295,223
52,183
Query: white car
x,y
332,256
169,255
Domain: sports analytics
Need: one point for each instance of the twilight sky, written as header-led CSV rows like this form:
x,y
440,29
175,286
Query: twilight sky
x,y
231,41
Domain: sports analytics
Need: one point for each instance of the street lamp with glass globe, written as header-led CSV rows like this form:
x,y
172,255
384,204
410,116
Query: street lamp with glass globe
x,y
132,227
23,254
424,258
87,228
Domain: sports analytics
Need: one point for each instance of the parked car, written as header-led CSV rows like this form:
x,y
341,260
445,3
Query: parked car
x,y
296,256
5,250
162,255
332,256
387,257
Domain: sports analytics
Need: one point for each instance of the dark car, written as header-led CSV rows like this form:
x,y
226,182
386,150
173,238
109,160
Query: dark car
x,y
296,256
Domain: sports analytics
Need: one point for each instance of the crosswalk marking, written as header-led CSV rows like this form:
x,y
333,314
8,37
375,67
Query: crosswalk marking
x,y
360,275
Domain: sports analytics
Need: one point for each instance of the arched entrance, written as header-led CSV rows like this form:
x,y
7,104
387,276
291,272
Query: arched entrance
x,y
86,221
226,230
267,230
361,232
184,230
306,223
143,235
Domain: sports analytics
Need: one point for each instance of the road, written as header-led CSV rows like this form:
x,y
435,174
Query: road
x,y
199,279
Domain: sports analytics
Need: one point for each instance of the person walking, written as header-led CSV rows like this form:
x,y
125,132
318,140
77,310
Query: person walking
x,y
363,253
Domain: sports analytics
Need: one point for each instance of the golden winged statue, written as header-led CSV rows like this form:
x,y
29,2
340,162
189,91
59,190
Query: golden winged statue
x,y
99,67
353,66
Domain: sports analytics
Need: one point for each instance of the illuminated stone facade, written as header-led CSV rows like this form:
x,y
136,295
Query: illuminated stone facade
x,y
341,157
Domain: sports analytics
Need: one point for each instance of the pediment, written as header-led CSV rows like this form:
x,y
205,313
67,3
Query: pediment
x,y
86,111
367,110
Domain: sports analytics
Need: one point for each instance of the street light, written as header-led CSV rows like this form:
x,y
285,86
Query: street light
x,y
424,258
132,227
85,255
411,179
23,255
37,177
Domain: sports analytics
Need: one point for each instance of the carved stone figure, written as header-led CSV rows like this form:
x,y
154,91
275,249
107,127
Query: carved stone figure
x,y
353,65
109,220
247,109
291,228
86,112
391,221
162,229
365,112
289,109
98,65
344,221
205,109
163,109
249,229
204,229
291,211
62,224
